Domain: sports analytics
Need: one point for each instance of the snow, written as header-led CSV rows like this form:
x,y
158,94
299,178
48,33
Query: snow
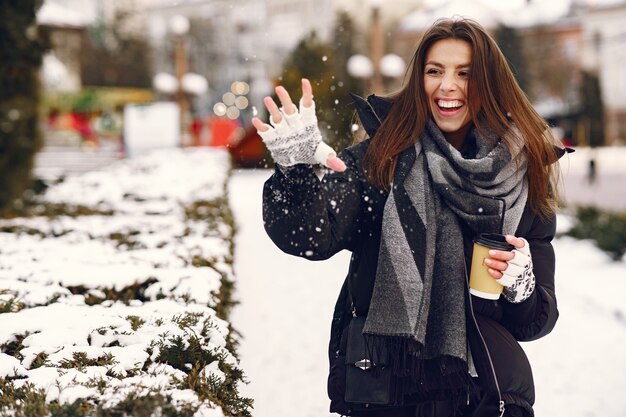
x,y
287,303
10,366
55,14
611,174
284,314
60,274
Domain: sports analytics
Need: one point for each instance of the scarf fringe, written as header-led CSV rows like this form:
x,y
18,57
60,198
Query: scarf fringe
x,y
441,378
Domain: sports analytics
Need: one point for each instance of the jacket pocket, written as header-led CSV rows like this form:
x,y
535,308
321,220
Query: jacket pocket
x,y
337,386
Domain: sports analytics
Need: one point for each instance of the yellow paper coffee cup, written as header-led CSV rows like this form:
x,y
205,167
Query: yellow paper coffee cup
x,y
481,283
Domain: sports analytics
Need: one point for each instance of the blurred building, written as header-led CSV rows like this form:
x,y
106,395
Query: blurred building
x,y
246,40
390,13
604,53
64,30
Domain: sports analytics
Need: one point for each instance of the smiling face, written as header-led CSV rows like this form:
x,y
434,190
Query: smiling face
x,y
446,76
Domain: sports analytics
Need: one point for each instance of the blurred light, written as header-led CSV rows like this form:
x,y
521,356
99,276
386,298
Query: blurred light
x,y
165,83
391,65
355,127
14,114
194,83
241,102
228,99
240,88
232,112
179,24
360,66
219,109
262,86
54,71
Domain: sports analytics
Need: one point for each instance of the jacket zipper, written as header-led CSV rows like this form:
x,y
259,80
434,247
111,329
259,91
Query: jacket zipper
x,y
493,372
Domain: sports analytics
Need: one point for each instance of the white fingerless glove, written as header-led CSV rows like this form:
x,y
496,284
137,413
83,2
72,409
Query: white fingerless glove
x,y
518,278
297,139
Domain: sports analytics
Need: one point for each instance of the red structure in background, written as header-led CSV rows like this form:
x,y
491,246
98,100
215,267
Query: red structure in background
x,y
249,151
223,131
74,121
244,144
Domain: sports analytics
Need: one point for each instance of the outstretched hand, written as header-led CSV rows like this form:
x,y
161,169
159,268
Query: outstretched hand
x,y
294,137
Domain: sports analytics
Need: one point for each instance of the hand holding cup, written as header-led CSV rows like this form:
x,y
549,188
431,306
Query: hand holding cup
x,y
502,264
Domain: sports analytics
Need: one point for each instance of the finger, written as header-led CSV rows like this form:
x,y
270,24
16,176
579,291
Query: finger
x,y
307,114
285,100
497,265
506,280
515,241
268,136
307,105
515,270
272,108
494,273
307,93
323,152
294,121
335,164
259,125
501,255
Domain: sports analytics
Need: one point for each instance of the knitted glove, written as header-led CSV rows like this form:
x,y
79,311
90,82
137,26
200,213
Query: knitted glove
x,y
297,139
518,278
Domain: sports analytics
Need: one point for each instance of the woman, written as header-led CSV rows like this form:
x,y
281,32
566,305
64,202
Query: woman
x,y
457,152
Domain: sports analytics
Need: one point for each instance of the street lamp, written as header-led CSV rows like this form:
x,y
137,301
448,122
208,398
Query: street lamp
x,y
379,65
183,83
179,25
377,47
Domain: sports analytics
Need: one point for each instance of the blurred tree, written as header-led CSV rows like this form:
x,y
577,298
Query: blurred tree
x,y
21,52
592,109
551,72
116,54
510,43
326,67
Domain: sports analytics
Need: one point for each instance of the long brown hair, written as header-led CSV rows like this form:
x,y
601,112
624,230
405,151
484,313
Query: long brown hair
x,y
495,102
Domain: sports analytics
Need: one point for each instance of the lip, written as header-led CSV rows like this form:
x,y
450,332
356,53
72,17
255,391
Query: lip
x,y
448,113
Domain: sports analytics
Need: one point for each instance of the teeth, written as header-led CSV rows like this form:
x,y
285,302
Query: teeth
x,y
449,104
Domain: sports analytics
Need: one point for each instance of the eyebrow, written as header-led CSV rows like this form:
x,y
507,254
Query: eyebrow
x,y
437,64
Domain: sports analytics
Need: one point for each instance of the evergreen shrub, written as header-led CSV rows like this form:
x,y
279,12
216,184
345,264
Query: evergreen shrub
x,y
21,53
606,228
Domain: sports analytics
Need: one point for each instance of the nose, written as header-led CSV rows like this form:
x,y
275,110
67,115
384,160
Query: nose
x,y
448,83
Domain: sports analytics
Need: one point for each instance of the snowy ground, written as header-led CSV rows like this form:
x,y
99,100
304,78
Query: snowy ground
x,y
286,306
608,190
94,305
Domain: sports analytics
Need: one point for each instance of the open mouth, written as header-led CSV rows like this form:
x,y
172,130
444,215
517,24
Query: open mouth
x,y
449,106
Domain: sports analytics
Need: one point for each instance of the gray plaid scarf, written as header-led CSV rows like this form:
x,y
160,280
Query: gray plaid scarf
x,y
417,310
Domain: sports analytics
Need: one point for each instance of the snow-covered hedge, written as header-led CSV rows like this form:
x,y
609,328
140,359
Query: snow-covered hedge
x,y
115,294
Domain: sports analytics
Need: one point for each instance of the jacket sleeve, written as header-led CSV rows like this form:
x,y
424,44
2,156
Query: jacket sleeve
x,y
536,316
313,218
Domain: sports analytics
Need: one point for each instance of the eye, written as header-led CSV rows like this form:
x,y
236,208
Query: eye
x,y
432,71
464,74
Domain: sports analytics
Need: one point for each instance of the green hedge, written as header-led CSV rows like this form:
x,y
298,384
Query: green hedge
x,y
607,229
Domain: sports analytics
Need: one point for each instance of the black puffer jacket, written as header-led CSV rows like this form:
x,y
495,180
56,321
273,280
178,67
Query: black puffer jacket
x,y
315,219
